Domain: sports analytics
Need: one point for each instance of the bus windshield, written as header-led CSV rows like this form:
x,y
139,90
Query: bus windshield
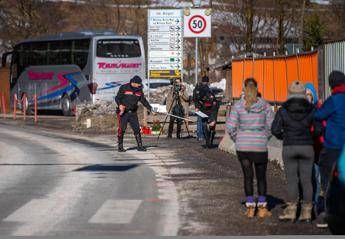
x,y
118,48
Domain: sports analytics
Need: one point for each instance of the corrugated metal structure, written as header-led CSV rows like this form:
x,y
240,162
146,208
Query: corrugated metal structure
x,y
334,59
274,74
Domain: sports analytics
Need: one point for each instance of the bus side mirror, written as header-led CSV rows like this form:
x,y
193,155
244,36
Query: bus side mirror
x,y
3,62
4,58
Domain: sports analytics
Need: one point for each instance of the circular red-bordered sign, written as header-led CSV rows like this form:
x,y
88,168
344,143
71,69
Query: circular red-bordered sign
x,y
199,20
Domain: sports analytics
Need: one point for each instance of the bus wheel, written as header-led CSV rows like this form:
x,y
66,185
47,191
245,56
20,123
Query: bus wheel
x,y
66,105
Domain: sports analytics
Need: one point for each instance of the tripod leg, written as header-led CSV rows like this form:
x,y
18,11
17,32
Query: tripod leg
x,y
185,123
178,128
161,131
171,126
165,120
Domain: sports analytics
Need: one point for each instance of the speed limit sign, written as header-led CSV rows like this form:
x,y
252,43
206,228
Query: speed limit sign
x,y
197,23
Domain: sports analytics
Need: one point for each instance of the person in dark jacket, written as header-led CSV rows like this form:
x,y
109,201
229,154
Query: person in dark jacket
x,y
333,111
206,102
292,124
196,91
127,100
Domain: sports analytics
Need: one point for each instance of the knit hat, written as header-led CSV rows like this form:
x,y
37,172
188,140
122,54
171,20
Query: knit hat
x,y
205,79
336,78
297,90
136,79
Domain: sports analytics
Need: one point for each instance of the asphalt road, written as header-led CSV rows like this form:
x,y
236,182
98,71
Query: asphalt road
x,y
52,184
54,181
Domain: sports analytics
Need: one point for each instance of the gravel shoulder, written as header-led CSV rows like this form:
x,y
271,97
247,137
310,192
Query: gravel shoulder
x,y
211,194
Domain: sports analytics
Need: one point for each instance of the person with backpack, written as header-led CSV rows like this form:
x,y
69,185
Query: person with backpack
x,y
206,102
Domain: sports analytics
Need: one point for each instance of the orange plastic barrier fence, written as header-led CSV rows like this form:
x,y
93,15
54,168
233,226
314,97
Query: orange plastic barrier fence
x,y
275,74
5,87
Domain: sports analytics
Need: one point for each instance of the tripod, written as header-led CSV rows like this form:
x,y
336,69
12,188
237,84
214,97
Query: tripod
x,y
176,103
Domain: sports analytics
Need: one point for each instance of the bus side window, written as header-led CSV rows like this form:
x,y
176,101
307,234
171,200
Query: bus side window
x,y
60,52
53,52
80,52
39,53
65,53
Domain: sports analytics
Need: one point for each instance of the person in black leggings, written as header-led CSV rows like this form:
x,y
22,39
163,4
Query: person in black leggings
x,y
259,161
249,126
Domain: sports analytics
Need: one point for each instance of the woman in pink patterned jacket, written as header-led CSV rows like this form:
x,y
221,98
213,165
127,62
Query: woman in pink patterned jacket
x,y
249,126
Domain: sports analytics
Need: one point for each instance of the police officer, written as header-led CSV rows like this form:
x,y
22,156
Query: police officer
x,y
206,102
127,100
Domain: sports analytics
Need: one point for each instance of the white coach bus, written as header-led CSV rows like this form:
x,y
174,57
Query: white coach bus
x,y
67,69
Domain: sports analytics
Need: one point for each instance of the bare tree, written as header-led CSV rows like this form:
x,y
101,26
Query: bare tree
x,y
336,20
21,19
285,20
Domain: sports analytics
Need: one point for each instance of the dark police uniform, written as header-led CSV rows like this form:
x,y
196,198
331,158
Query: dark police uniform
x,y
206,102
129,97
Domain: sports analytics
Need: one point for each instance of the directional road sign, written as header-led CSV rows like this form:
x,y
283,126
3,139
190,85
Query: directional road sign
x,y
165,42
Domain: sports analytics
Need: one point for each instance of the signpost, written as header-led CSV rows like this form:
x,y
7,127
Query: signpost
x,y
197,24
166,30
165,43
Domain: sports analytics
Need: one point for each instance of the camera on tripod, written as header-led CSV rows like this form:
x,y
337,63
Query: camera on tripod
x,y
177,85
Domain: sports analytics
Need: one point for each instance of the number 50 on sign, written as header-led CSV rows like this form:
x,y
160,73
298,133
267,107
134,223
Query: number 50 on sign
x,y
197,23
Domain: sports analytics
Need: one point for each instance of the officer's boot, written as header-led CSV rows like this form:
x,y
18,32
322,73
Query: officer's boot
x,y
120,144
139,142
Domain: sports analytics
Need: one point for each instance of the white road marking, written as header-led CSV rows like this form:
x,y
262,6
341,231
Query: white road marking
x,y
59,203
34,210
9,154
70,190
116,212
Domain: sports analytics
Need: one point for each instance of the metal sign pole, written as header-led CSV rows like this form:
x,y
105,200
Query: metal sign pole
x,y
148,85
196,60
148,62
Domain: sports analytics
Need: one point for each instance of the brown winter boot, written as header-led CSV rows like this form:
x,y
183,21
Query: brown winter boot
x,y
306,211
289,213
250,212
263,210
